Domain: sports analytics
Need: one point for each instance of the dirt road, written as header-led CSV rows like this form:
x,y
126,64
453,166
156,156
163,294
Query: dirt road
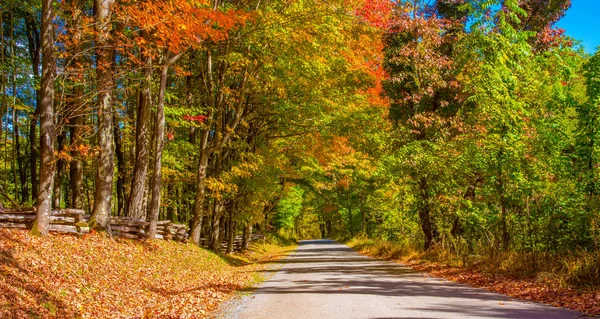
x,y
325,279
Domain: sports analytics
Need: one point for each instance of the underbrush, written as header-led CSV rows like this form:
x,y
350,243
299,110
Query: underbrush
x,y
578,270
281,239
380,248
64,276
571,281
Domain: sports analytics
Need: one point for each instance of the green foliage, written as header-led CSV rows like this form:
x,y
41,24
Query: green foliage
x,y
289,209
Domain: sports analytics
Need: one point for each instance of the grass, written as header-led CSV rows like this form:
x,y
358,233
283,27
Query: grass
x,y
64,276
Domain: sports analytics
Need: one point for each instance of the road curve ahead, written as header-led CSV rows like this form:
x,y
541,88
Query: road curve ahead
x,y
325,279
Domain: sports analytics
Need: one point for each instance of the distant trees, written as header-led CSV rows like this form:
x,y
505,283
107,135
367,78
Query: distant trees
x,y
487,145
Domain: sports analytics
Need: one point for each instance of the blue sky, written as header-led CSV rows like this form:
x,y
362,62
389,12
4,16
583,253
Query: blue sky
x,y
582,22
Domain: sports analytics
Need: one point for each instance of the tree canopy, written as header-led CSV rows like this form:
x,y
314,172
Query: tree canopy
x,y
469,125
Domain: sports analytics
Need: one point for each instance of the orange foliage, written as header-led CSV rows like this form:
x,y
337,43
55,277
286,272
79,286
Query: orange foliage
x,y
179,24
64,276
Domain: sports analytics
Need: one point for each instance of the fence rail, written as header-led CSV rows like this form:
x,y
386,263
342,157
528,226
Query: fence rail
x,y
75,221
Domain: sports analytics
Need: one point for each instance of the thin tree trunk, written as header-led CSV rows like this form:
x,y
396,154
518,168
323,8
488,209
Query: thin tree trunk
x,y
503,226
173,196
424,215
159,143
3,80
142,135
60,169
363,216
76,132
15,149
198,211
16,135
33,38
120,169
231,235
22,167
46,107
76,165
100,218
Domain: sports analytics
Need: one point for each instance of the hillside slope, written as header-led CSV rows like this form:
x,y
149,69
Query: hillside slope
x,y
96,277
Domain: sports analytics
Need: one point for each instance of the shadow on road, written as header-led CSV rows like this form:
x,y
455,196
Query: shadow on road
x,y
324,267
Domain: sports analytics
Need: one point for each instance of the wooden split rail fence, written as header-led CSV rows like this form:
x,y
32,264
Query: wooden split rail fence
x,y
237,241
69,220
138,229
74,221
66,220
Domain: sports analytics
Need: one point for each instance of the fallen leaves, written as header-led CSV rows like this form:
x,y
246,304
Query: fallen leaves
x,y
541,290
524,289
65,276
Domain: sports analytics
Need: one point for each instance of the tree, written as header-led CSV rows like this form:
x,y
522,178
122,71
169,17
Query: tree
x,y
105,52
46,110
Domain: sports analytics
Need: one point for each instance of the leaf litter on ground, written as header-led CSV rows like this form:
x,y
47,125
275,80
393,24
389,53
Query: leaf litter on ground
x,y
584,300
64,276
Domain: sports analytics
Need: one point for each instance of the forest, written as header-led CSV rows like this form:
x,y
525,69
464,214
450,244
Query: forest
x,y
466,127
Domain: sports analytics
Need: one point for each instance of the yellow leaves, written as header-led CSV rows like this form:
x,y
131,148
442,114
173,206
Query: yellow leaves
x,y
219,188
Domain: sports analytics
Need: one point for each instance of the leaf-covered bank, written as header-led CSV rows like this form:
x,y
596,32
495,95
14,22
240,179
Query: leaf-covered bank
x,y
503,275
95,277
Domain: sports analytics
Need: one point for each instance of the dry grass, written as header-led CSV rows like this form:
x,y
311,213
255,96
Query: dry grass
x,y
95,277
563,283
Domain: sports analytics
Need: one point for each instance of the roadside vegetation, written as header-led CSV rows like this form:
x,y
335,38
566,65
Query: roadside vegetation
x,y
567,282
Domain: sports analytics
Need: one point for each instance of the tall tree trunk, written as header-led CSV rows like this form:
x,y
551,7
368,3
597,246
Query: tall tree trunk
x,y
13,160
217,222
173,192
231,234
16,136
46,107
503,224
198,211
215,238
22,167
3,80
77,117
424,214
363,216
120,169
76,165
33,38
13,68
100,218
159,143
140,170
60,169
247,233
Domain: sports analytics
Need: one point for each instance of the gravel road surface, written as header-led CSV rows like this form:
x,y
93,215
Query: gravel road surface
x,y
325,279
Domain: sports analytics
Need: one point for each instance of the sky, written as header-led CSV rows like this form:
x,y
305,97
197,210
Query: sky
x,y
582,22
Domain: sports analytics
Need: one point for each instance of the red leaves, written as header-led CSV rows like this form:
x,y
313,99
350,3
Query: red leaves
x,y
376,12
525,289
195,118
177,25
